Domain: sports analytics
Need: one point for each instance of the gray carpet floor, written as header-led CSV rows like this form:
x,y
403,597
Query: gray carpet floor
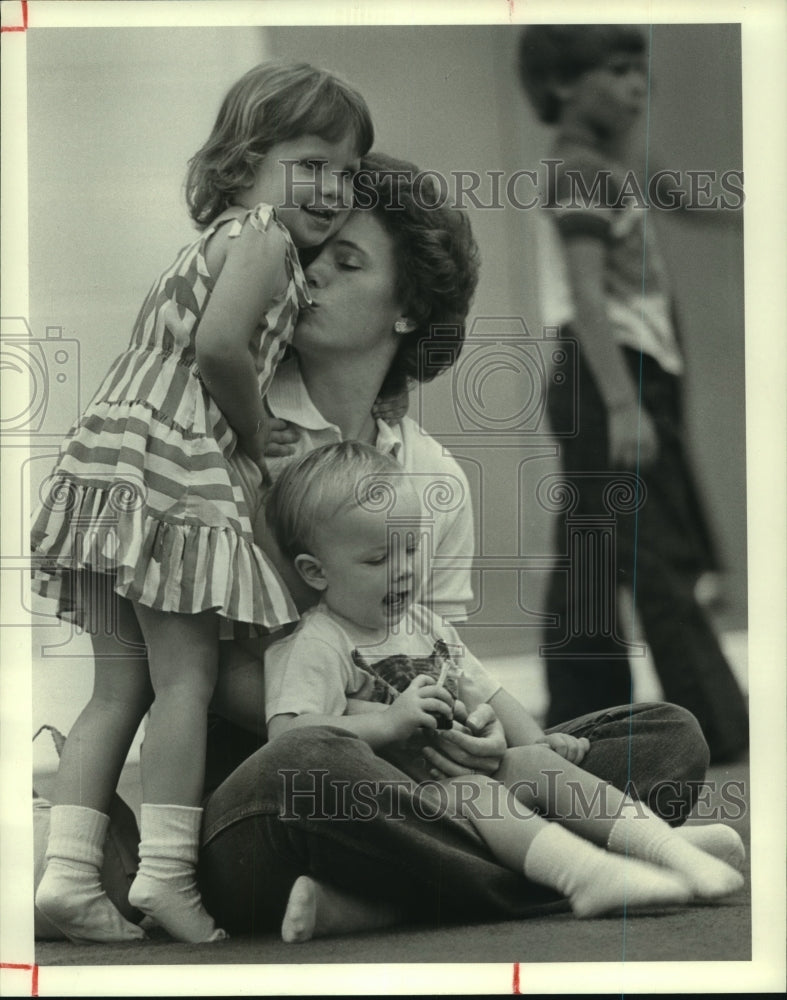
x,y
695,933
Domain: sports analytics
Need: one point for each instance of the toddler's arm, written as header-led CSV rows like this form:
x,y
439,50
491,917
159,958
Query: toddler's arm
x,y
248,271
414,709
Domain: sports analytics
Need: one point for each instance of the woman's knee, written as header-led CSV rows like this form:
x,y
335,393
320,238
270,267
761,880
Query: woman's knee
x,y
680,758
690,751
302,774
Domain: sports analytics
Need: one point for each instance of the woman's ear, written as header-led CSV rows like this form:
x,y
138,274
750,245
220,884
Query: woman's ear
x,y
311,571
404,325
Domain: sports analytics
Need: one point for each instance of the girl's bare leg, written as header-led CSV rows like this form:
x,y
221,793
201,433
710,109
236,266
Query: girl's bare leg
x,y
70,893
597,811
183,656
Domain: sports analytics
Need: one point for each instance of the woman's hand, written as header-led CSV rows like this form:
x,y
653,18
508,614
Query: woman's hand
x,y
281,439
570,748
478,752
417,708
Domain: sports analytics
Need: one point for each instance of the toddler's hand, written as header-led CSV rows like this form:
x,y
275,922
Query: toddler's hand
x,y
479,751
417,708
281,439
570,748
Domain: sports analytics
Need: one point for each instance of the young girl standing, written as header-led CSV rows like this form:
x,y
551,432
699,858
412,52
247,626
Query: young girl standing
x,y
145,535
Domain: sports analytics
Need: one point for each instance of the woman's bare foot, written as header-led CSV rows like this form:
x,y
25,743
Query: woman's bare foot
x,y
318,910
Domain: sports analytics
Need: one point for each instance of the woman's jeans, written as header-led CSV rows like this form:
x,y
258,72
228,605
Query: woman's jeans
x,y
319,802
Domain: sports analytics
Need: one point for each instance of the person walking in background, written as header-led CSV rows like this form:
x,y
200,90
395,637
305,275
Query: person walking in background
x,y
591,83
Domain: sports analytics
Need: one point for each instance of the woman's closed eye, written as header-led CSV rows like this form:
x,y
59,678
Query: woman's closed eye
x,y
347,261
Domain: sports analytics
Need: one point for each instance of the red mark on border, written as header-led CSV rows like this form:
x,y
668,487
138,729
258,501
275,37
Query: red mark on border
x,y
30,968
515,984
17,27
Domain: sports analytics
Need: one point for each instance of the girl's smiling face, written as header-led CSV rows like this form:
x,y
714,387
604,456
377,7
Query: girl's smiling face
x,y
309,182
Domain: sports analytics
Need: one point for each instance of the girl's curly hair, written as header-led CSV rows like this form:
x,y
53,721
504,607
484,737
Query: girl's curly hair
x,y
274,102
437,264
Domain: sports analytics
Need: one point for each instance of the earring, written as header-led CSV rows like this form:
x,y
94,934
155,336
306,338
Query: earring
x,y
401,326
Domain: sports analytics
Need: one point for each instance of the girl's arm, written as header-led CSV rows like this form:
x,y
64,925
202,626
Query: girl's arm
x,y
248,271
632,437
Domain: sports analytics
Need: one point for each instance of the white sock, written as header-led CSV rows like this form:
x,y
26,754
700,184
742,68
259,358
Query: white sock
x,y
70,894
166,886
642,834
717,839
595,882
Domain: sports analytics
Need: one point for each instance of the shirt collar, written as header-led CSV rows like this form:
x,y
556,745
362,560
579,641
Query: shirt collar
x,y
289,400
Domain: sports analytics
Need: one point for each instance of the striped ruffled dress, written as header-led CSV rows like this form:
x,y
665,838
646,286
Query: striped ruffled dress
x,y
149,486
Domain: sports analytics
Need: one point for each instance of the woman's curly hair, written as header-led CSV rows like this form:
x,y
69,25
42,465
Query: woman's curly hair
x,y
437,264
271,103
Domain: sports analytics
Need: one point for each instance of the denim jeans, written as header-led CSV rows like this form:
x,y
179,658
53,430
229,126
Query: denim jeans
x,y
318,801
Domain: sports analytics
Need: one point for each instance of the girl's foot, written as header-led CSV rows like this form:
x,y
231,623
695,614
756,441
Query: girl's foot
x,y
176,905
71,897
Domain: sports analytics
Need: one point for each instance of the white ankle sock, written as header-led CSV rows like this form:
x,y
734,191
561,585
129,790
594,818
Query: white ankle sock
x,y
642,834
595,882
717,839
166,887
70,893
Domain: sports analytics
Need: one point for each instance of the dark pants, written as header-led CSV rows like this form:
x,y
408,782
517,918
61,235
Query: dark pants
x,y
320,802
657,552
